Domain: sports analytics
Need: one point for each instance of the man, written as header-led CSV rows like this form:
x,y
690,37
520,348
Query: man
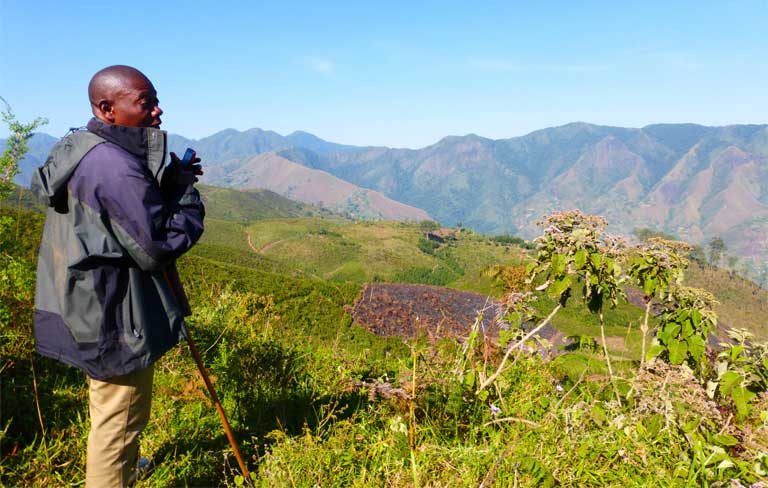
x,y
106,301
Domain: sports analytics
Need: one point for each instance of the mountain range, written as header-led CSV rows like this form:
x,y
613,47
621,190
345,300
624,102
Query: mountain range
x,y
693,181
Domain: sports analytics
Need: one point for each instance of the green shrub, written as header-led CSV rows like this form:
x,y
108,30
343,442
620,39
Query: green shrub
x,y
428,246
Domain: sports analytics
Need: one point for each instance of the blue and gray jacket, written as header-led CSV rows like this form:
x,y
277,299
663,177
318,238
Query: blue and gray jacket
x,y
113,231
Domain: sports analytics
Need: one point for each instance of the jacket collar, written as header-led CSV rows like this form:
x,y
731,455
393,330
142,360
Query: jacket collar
x,y
145,142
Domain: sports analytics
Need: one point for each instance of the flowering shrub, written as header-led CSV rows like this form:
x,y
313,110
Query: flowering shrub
x,y
686,321
741,371
655,266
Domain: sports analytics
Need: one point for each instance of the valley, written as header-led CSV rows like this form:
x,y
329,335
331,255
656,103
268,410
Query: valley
x,y
694,182
384,245
330,335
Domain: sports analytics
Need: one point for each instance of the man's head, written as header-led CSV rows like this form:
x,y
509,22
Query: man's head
x,y
122,95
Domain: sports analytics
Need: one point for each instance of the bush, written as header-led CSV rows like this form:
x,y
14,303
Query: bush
x,y
428,225
440,275
428,246
515,240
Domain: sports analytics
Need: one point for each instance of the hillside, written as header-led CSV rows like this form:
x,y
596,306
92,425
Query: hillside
x,y
244,206
316,394
341,251
394,252
381,251
22,198
40,145
695,182
743,304
295,181
692,181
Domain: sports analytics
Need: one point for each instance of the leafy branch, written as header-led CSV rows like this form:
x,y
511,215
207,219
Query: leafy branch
x,y
655,266
16,146
575,250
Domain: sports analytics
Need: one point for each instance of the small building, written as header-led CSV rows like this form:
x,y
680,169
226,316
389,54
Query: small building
x,y
441,235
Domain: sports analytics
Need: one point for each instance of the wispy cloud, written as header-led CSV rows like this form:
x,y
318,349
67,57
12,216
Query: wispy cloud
x,y
321,66
512,67
664,58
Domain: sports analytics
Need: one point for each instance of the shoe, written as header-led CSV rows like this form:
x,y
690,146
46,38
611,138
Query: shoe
x,y
143,468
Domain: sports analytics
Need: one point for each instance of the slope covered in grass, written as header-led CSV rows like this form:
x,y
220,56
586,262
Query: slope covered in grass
x,y
317,400
248,205
743,304
380,251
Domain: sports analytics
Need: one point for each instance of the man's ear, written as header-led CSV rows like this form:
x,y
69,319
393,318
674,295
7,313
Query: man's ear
x,y
106,111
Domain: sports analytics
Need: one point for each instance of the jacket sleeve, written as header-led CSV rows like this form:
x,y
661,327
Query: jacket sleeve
x,y
154,229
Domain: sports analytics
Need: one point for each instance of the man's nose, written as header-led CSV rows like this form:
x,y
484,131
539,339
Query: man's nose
x,y
157,112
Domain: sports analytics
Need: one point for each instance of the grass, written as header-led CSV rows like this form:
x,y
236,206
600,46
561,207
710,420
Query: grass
x,y
299,381
225,233
381,251
743,304
249,205
240,257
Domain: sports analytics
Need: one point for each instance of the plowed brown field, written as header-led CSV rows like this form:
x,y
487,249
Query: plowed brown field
x,y
404,310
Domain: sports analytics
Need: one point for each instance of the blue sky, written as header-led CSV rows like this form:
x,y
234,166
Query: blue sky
x,y
394,73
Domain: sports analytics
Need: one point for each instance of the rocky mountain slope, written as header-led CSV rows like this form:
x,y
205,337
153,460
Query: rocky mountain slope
x,y
242,160
295,181
692,181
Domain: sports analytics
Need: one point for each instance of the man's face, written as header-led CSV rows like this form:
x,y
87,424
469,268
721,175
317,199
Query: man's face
x,y
136,105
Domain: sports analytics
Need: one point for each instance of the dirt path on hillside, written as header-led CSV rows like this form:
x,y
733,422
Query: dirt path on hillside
x,y
330,274
265,247
250,244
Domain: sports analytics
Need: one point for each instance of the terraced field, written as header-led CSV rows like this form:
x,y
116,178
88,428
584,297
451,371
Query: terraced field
x,y
380,251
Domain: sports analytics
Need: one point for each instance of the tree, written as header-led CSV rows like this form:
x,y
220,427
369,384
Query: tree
x,y
16,147
763,274
575,251
657,266
644,234
698,256
428,225
716,249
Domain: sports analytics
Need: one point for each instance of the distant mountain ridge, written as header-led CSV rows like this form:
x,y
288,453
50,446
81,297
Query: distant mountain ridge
x,y
693,181
320,188
233,149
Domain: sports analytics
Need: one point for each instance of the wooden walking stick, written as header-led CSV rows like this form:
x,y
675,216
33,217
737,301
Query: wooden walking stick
x,y
172,277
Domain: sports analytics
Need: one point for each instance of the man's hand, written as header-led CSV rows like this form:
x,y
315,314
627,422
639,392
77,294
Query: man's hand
x,y
186,175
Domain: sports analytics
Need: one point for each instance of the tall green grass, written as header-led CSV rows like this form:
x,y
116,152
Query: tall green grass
x,y
309,393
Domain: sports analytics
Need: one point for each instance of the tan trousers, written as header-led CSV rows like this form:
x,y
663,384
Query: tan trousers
x,y
119,409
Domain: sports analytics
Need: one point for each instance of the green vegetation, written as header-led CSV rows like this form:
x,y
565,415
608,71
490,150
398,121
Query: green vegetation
x,y
16,147
742,304
316,400
367,251
510,239
21,198
247,205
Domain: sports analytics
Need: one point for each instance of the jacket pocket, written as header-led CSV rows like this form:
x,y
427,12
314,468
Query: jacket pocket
x,y
80,307
133,327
